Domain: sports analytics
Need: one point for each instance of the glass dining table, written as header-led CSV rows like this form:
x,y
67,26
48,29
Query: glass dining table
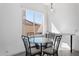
x,y
40,40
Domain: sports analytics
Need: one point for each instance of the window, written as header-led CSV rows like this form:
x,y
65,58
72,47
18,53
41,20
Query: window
x,y
29,15
35,18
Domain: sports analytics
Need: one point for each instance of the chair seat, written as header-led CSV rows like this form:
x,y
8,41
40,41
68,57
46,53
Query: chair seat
x,y
35,51
54,49
49,50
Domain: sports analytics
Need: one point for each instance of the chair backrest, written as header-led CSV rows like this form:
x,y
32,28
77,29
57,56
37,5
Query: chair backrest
x,y
57,41
26,43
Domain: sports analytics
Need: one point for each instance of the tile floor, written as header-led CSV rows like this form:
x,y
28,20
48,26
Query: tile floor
x,y
61,53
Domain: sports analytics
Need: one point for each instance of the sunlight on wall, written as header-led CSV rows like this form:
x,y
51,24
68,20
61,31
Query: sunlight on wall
x,y
65,46
53,29
40,29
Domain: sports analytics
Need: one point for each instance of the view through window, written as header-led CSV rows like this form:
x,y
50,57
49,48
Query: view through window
x,y
35,21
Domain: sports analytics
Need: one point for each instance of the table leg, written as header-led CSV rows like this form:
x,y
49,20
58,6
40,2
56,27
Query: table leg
x,y
71,43
41,49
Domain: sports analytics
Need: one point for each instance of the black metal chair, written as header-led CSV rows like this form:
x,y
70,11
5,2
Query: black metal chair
x,y
54,49
30,50
32,34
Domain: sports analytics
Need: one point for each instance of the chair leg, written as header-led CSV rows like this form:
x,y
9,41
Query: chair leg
x,y
56,53
26,54
40,54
